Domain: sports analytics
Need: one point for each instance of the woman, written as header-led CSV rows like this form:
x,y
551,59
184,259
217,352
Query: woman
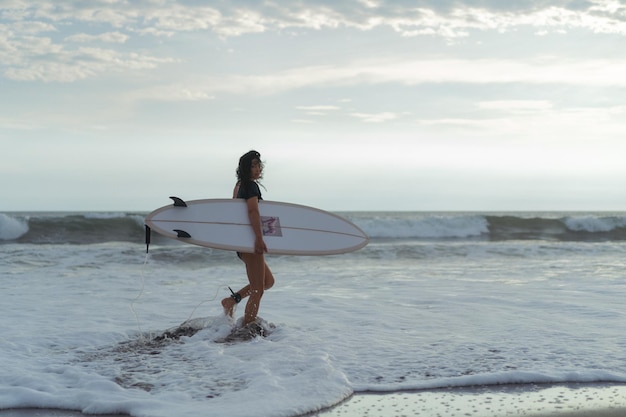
x,y
260,277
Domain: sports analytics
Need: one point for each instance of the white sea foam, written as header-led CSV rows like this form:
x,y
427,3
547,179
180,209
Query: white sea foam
x,y
596,223
12,228
410,225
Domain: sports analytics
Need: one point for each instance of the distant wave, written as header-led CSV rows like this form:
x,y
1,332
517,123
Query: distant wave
x,y
87,228
526,226
84,228
413,225
568,228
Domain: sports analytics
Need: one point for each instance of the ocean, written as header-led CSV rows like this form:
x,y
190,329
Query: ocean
x,y
435,300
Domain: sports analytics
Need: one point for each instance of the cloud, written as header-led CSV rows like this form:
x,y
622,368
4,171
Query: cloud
x,y
180,18
175,92
31,27
598,73
108,37
375,117
442,18
539,122
516,106
72,65
235,19
553,70
29,56
37,39
321,108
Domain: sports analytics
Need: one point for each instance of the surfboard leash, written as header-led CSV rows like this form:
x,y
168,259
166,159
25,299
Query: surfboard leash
x,y
143,284
235,295
208,301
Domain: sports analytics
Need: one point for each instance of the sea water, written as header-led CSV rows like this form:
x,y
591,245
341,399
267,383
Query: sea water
x,y
435,300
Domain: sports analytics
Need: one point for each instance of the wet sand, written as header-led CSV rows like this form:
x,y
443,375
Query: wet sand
x,y
565,400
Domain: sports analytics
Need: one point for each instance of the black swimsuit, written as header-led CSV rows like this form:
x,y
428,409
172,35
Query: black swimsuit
x,y
251,190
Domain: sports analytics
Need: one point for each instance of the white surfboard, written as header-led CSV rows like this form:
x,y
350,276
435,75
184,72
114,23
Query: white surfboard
x,y
288,229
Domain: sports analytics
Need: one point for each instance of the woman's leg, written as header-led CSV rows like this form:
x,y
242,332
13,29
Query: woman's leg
x,y
254,273
269,278
255,268
229,303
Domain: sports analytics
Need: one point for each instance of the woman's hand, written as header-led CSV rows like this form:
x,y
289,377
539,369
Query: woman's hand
x,y
259,246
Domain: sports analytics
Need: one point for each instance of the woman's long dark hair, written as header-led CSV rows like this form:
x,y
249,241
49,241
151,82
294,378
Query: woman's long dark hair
x,y
245,167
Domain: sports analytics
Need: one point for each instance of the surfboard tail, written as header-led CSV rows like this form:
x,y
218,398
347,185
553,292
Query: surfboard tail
x,y
148,235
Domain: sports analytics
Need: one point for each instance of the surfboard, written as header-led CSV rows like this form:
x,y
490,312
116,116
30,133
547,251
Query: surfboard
x,y
288,229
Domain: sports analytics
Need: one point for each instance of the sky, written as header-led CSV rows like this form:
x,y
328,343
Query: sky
x,y
354,105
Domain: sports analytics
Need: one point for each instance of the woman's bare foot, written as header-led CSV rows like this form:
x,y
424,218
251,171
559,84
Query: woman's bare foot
x,y
229,306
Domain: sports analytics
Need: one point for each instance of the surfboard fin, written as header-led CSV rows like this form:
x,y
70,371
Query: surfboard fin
x,y
178,202
182,234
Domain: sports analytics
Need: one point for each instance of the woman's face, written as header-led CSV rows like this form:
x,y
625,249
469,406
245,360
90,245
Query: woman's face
x,y
256,168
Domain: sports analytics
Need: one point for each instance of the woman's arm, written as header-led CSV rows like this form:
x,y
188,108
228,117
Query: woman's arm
x,y
255,220
236,190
